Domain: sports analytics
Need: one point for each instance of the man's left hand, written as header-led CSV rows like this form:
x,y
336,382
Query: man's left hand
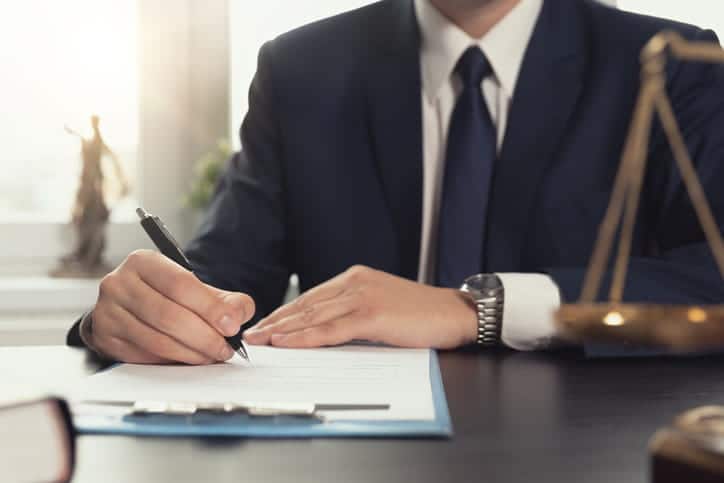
x,y
367,304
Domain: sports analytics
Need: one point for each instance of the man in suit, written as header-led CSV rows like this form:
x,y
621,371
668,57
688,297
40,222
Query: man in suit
x,y
392,152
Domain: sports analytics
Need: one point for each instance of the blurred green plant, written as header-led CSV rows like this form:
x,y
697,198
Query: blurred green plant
x,y
207,170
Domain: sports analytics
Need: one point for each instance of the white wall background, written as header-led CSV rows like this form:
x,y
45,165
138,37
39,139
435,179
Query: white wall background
x,y
707,14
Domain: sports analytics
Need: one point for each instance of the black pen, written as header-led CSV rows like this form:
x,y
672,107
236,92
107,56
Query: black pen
x,y
168,246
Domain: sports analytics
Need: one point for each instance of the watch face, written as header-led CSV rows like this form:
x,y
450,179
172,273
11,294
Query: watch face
x,y
482,282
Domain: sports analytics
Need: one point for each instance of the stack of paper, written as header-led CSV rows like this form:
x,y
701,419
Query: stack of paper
x,y
341,375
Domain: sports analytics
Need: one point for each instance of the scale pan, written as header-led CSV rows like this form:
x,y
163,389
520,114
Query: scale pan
x,y
680,328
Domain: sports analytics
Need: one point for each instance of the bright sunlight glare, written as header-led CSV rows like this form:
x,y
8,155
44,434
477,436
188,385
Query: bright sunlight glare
x,y
62,62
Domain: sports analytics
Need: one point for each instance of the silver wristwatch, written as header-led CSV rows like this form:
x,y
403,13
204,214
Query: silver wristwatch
x,y
486,292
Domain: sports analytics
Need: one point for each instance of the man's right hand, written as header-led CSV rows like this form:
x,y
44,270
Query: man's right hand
x,y
152,311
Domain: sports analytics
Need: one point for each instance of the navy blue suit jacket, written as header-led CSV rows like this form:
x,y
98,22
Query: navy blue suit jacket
x,y
330,172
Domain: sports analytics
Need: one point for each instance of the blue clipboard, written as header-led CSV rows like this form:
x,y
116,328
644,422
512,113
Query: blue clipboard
x,y
280,427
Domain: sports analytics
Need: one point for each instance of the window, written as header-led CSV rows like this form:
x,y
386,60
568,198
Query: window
x,y
62,62
156,71
167,77
252,24
702,13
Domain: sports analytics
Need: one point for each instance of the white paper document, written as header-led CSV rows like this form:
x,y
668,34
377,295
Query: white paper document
x,y
357,374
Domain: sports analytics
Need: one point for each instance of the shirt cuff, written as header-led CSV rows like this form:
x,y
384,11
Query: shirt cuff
x,y
529,302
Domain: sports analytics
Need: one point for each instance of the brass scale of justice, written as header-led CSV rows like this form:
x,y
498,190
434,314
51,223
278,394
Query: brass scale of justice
x,y
679,328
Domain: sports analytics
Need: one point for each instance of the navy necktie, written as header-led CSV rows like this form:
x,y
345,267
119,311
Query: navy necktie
x,y
470,155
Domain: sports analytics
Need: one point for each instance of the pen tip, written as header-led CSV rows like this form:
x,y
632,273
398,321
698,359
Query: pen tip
x,y
242,352
141,213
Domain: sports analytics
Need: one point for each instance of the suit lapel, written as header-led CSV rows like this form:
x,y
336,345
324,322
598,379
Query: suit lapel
x,y
546,94
394,115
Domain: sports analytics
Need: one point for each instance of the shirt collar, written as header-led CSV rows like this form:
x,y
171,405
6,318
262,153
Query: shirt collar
x,y
504,45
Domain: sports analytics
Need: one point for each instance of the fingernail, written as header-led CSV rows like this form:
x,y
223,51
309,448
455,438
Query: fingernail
x,y
228,325
226,353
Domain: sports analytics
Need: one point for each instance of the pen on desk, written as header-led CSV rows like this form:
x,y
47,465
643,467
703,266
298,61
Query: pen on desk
x,y
167,245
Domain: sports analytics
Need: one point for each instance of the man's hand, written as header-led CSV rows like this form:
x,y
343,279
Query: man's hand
x,y
150,310
368,304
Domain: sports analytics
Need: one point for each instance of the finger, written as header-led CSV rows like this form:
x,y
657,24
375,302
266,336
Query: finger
x,y
315,314
128,328
122,350
332,333
175,321
238,303
224,310
330,289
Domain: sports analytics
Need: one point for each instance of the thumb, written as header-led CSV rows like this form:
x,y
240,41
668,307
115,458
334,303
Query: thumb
x,y
235,308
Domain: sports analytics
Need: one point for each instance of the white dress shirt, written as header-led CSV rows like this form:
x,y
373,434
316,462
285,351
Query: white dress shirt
x,y
530,299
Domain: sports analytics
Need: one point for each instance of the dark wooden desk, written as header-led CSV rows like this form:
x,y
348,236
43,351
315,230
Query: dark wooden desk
x,y
517,418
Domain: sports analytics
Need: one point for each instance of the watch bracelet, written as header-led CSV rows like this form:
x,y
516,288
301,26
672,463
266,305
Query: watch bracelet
x,y
490,315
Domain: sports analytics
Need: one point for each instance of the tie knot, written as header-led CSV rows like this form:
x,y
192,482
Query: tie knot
x,y
473,67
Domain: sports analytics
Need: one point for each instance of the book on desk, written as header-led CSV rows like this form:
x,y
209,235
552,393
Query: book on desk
x,y
37,441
